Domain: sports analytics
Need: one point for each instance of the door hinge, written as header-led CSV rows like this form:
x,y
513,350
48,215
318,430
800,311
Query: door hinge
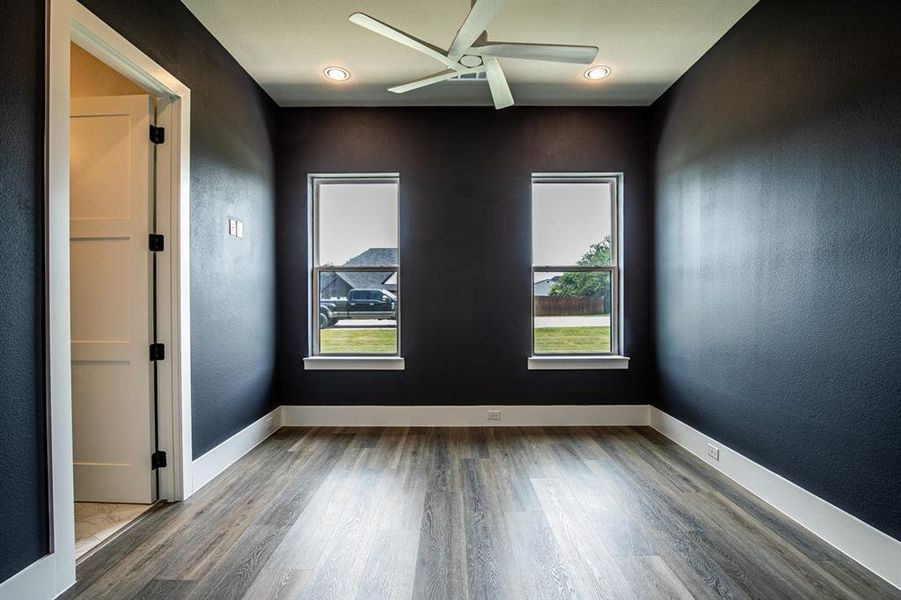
x,y
157,352
158,460
156,241
157,134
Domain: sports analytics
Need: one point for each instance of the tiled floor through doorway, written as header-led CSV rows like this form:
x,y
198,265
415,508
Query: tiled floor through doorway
x,y
98,521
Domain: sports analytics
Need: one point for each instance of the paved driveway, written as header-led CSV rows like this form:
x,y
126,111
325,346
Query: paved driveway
x,y
588,321
367,323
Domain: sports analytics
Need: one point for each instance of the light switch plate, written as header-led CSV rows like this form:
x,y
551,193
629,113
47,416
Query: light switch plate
x,y
239,229
232,226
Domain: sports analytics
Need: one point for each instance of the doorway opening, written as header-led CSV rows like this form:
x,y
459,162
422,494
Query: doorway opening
x,y
113,298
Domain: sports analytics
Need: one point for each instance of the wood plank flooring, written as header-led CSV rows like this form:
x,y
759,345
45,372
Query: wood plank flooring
x,y
480,513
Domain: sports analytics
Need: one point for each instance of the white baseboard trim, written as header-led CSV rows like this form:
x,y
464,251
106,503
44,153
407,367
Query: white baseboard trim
x,y
37,581
875,550
462,416
208,466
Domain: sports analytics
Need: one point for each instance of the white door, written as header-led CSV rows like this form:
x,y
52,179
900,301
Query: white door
x,y
112,393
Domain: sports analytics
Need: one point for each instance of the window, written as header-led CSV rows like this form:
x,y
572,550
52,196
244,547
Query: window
x,y
355,267
575,267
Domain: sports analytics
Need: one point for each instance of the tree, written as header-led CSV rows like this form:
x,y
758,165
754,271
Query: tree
x,y
598,254
587,284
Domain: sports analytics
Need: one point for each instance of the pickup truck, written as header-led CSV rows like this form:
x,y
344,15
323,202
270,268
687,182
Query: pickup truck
x,y
359,304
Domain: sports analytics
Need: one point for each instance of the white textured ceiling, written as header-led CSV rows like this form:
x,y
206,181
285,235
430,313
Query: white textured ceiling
x,y
285,45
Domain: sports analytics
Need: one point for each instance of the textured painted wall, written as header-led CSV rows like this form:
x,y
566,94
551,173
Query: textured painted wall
x,y
465,228
232,174
778,248
23,489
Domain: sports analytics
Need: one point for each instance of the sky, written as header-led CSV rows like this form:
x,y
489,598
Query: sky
x,y
566,219
354,217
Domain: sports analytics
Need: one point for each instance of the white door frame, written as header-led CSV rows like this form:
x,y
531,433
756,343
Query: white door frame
x,y
69,21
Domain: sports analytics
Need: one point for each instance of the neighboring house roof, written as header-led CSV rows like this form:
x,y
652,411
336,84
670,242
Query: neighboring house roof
x,y
373,257
543,286
374,279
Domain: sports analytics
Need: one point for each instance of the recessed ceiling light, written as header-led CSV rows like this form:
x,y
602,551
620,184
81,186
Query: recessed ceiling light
x,y
595,73
336,73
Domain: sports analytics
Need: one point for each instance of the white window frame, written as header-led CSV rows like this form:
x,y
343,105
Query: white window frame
x,y
357,361
614,359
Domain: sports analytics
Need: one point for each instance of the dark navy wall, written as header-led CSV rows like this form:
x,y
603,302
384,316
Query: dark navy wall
x,y
23,459
465,229
232,174
778,248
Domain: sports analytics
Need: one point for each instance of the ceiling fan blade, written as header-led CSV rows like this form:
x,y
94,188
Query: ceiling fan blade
x,y
582,55
400,37
500,90
483,11
438,77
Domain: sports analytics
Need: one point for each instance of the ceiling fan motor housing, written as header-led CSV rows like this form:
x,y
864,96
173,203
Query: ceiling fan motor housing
x,y
471,60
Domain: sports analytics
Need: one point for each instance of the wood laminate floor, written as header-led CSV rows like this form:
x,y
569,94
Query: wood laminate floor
x,y
519,513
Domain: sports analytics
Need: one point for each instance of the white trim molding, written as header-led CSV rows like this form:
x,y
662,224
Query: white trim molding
x,y
562,363
37,581
210,465
59,565
463,416
354,363
873,549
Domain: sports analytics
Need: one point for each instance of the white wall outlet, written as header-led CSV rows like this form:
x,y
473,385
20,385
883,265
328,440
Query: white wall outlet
x,y
239,230
232,226
713,452
494,415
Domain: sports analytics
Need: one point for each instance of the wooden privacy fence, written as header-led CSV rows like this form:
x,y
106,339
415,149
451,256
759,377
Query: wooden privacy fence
x,y
560,306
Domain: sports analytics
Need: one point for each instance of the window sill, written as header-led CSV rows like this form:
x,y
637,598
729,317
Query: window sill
x,y
353,363
560,363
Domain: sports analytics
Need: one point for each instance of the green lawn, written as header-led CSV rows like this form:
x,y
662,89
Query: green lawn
x,y
358,341
548,340
572,340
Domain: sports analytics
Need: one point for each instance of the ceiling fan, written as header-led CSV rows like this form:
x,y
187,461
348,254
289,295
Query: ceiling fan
x,y
470,51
